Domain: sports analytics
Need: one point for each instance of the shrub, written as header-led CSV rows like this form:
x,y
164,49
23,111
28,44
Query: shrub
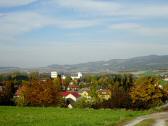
x,y
83,103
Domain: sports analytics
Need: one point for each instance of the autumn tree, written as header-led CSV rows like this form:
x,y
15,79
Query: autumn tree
x,y
58,82
39,93
147,93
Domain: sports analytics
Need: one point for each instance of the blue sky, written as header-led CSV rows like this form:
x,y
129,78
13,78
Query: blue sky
x,y
36,33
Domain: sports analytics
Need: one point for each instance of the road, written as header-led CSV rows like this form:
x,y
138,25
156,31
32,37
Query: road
x,y
160,119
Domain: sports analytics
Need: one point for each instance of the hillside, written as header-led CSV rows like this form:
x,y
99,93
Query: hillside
x,y
151,62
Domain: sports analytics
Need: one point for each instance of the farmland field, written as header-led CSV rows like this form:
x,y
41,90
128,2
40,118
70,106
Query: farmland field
x,y
36,116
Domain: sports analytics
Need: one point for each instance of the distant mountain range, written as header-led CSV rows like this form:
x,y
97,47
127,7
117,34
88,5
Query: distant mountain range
x,y
9,69
151,62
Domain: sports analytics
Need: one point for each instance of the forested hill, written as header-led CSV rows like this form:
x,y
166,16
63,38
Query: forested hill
x,y
152,62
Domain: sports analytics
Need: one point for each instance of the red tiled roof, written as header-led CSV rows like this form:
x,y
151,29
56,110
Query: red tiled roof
x,y
65,93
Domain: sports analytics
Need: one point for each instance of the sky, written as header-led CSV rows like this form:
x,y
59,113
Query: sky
x,y
37,33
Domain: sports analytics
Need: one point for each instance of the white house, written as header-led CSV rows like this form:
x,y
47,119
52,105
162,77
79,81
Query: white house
x,y
76,76
166,79
70,96
63,77
54,74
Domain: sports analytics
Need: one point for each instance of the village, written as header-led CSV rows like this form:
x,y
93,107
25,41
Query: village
x,y
73,92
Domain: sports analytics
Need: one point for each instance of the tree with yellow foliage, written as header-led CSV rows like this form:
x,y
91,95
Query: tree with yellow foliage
x,y
147,93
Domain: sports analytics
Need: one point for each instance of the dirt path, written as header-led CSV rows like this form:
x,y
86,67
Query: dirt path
x,y
160,122
160,119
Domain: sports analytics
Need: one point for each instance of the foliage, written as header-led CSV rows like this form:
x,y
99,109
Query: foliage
x,y
38,93
66,82
119,97
34,75
146,93
7,93
84,103
119,86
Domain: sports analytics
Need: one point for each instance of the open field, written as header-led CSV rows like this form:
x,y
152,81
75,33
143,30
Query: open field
x,y
36,116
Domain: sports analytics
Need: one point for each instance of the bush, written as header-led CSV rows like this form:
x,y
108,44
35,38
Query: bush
x,y
83,103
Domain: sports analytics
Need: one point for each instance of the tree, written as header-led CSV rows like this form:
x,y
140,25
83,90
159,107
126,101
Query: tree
x,y
6,95
39,93
119,97
34,76
127,81
66,81
105,81
57,82
146,93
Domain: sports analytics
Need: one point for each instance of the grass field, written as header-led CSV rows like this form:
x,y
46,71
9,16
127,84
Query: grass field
x,y
36,116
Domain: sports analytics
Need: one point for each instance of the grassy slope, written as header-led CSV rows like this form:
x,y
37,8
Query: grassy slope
x,y
31,116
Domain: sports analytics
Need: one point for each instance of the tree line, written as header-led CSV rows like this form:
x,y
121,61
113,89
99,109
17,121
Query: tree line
x,y
126,91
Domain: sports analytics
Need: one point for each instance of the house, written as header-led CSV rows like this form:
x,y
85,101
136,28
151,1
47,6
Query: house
x,y
70,97
63,77
104,94
76,76
84,92
165,79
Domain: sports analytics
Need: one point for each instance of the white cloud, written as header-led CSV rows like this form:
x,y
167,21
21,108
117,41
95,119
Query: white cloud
x,y
146,11
111,8
153,31
133,27
14,24
125,26
90,6
77,24
11,3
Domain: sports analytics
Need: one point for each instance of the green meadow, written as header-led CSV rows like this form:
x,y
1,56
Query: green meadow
x,y
50,116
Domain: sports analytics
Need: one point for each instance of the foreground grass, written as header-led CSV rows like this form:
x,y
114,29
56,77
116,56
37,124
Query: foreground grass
x,y
36,116
146,122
